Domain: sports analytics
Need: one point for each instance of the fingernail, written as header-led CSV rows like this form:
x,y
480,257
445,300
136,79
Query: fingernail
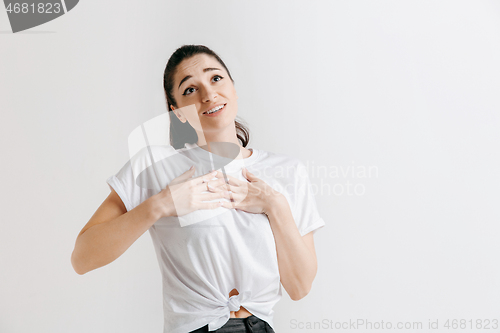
x,y
191,168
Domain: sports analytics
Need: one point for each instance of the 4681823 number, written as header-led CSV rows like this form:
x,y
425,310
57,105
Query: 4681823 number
x,y
40,8
479,324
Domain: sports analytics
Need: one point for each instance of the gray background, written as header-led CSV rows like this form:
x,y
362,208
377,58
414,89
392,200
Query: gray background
x,y
410,87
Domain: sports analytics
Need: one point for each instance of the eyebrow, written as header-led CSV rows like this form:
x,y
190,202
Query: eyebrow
x,y
204,70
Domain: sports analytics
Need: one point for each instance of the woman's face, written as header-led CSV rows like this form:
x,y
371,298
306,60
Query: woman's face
x,y
201,84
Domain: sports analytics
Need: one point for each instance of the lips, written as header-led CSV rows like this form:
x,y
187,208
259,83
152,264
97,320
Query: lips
x,y
213,107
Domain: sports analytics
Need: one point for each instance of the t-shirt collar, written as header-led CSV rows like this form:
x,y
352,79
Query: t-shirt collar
x,y
232,166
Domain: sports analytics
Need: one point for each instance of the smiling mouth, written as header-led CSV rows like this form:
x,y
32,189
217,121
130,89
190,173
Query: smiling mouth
x,y
216,109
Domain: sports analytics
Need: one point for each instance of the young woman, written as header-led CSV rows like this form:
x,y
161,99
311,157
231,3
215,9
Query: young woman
x,y
230,230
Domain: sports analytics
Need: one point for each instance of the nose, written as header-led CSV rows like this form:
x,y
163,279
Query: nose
x,y
209,94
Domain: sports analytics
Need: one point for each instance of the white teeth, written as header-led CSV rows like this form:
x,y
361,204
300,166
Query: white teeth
x,y
217,108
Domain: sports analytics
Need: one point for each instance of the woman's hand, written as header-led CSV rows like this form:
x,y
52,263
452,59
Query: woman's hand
x,y
252,196
184,194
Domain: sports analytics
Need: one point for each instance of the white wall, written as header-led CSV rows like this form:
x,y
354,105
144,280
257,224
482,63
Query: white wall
x,y
410,88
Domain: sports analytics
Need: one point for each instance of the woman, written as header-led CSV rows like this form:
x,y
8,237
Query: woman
x,y
225,240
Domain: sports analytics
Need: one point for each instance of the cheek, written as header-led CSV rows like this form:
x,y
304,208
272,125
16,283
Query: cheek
x,y
233,95
190,112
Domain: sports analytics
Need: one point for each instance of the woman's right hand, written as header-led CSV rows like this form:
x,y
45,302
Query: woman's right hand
x,y
184,194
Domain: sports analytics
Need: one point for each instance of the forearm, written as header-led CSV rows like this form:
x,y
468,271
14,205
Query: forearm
x,y
297,264
105,242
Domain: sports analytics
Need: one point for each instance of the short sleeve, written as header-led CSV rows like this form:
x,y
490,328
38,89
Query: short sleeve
x,y
138,177
148,172
125,185
305,210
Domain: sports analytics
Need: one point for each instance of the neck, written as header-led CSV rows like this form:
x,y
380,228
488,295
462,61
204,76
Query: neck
x,y
227,134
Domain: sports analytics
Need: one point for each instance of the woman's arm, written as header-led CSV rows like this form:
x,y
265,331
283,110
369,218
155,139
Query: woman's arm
x,y
110,232
296,254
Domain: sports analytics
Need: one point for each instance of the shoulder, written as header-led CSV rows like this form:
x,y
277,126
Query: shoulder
x,y
153,167
149,160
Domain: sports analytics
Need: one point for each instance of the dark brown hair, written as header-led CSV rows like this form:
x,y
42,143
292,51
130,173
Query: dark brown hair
x,y
182,133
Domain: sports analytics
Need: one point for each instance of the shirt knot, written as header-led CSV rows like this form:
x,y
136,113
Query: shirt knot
x,y
234,303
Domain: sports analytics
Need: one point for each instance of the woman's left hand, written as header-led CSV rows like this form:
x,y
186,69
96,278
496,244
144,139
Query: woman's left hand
x,y
252,196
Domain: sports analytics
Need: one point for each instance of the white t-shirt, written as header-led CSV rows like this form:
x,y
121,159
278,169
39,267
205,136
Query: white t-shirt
x,y
218,250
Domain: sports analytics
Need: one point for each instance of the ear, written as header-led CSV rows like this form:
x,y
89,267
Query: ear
x,y
178,114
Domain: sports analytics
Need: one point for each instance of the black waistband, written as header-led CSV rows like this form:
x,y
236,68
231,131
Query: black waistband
x,y
251,324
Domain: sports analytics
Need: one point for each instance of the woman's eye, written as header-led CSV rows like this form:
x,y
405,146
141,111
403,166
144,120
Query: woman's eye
x,y
188,89
217,76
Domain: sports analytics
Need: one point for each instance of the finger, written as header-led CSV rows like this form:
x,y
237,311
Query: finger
x,y
218,173
237,198
211,186
248,175
220,185
229,205
214,196
244,172
235,189
221,175
234,181
219,182
209,205
204,178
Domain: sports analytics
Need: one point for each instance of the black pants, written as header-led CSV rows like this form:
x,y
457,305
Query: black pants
x,y
250,324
